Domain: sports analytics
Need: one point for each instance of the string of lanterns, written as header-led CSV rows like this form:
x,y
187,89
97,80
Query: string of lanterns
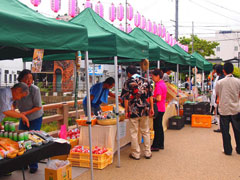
x,y
117,13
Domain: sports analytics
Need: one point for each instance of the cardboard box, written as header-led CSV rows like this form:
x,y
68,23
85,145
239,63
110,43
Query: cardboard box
x,y
64,173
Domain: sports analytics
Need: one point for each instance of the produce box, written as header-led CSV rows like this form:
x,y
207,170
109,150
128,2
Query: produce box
x,y
101,157
99,154
176,122
202,108
87,164
188,108
172,94
64,173
187,119
201,120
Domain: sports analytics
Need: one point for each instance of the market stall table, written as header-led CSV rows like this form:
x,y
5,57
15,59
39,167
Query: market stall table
x,y
33,155
105,136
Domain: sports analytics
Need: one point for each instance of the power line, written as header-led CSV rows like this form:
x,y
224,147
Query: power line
x,y
202,26
214,11
222,7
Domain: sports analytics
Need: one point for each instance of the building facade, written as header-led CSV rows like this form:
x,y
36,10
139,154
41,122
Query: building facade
x,y
229,45
9,70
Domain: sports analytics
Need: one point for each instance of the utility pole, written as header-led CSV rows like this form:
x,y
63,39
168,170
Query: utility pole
x,y
195,69
192,37
176,21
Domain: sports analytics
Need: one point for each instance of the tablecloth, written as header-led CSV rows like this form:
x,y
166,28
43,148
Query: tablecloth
x,y
34,155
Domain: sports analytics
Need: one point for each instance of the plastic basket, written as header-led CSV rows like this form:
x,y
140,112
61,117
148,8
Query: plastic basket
x,y
86,164
188,108
187,119
201,120
83,122
106,108
202,108
176,122
86,156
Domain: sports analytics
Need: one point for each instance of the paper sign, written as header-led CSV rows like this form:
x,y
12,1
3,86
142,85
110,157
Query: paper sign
x,y
122,129
37,60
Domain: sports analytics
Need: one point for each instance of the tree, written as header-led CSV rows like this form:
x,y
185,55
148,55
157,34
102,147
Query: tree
x,y
203,47
236,72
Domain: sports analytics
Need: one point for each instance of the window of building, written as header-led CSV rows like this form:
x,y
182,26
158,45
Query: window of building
x,y
10,78
15,78
218,49
235,48
5,76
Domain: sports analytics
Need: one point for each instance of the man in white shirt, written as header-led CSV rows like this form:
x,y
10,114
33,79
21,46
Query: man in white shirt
x,y
7,96
228,90
166,76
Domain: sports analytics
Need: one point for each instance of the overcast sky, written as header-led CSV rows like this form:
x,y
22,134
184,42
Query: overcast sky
x,y
208,16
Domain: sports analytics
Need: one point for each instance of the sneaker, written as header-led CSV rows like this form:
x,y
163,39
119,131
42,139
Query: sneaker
x,y
217,130
33,170
132,157
148,157
214,121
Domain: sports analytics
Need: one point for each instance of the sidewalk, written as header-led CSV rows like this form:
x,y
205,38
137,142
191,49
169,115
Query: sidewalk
x,y
189,154
40,175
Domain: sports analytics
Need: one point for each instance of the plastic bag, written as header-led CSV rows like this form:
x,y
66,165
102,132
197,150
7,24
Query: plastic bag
x,y
56,164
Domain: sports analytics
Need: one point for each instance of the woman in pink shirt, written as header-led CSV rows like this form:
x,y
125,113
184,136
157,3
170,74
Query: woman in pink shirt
x,y
160,93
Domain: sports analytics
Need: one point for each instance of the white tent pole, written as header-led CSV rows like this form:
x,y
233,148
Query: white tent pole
x,y
202,82
195,83
190,86
117,108
148,77
175,78
89,112
24,65
178,87
93,76
121,76
158,64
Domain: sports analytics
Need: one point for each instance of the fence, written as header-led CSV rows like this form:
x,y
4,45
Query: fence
x,y
63,113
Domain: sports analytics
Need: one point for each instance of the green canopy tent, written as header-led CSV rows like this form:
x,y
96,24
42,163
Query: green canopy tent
x,y
107,42
207,66
159,49
23,30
